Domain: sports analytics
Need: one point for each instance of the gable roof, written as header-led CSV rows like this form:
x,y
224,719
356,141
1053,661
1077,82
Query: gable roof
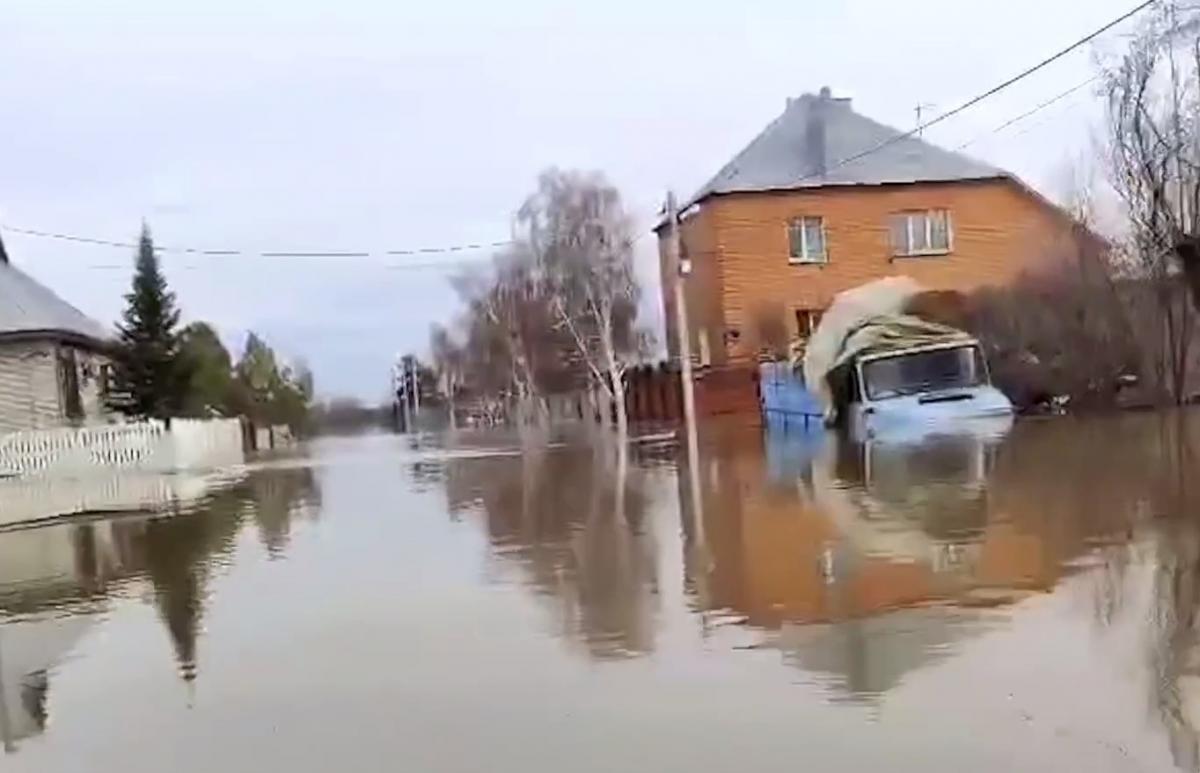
x,y
28,308
809,144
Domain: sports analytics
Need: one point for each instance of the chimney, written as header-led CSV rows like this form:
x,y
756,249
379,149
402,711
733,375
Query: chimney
x,y
814,133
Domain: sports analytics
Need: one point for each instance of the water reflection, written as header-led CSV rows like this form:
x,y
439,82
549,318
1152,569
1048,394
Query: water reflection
x,y
57,581
872,558
865,562
572,522
816,583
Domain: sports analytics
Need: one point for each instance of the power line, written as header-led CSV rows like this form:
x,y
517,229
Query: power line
x,y
990,92
1027,113
262,254
306,254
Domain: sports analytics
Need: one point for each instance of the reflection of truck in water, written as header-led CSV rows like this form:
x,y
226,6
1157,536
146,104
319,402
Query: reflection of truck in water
x,y
875,366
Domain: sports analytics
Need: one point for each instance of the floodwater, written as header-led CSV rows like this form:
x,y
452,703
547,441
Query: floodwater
x,y
961,602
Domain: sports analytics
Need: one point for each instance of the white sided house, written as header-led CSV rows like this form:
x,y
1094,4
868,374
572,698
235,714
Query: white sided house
x,y
53,366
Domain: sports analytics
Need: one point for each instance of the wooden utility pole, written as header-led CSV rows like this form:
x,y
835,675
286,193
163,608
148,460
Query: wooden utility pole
x,y
682,333
682,269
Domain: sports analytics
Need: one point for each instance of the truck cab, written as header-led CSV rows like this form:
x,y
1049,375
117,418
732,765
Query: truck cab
x,y
921,387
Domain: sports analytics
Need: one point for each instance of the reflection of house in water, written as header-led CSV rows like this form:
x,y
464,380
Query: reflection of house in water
x,y
576,533
866,656
53,580
57,580
870,559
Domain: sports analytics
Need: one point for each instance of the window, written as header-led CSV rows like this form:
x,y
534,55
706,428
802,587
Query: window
x,y
806,240
68,385
928,371
921,233
806,322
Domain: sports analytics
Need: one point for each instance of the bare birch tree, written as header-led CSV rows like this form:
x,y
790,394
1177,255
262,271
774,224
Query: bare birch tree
x,y
449,362
581,239
514,352
1153,94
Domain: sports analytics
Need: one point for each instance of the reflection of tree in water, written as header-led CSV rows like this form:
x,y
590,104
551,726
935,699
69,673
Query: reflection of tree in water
x,y
577,531
1141,473
72,568
175,553
1174,650
278,496
180,554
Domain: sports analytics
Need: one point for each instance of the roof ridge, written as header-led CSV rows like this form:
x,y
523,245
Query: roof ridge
x,y
829,130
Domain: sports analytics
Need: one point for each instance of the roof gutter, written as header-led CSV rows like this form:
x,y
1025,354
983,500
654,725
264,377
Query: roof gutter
x,y
72,338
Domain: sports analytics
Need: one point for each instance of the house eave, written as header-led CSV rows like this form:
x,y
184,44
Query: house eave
x,y
69,337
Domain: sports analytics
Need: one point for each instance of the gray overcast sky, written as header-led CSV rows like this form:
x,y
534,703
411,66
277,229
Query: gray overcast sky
x,y
379,125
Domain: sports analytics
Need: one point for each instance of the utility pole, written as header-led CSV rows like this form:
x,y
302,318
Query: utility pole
x,y
416,385
683,335
683,268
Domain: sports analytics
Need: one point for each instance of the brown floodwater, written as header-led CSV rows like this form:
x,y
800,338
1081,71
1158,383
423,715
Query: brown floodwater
x,y
960,602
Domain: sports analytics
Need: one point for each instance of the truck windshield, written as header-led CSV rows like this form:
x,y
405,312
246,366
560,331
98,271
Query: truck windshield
x,y
929,371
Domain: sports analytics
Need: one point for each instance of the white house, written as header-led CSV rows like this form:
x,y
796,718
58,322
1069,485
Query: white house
x,y
53,366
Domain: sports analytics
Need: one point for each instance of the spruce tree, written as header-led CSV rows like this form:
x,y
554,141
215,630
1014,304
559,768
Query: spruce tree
x,y
148,379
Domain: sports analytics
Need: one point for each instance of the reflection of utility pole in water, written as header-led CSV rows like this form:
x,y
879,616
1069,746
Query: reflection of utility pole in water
x,y
683,336
6,731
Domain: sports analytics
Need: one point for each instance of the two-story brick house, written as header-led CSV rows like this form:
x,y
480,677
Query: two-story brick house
x,y
825,199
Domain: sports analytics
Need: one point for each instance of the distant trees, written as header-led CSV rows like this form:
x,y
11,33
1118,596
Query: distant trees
x,y
268,392
161,371
210,371
149,379
349,414
556,312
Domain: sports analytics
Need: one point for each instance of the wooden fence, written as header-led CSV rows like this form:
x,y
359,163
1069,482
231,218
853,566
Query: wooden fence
x,y
654,392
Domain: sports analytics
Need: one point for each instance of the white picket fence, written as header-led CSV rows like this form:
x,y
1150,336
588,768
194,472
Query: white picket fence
x,y
149,446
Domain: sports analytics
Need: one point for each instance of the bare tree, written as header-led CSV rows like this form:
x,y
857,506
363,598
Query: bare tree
x,y
581,238
513,350
1153,94
449,360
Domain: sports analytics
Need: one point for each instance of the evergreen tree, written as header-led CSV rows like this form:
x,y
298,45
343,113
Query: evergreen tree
x,y
149,378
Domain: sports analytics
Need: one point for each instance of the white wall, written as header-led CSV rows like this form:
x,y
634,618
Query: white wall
x,y
147,446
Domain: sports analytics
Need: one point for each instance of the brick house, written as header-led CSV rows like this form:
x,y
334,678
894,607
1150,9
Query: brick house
x,y
818,203
52,357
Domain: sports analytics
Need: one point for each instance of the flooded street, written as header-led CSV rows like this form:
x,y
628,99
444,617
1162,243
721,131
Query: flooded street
x,y
1021,603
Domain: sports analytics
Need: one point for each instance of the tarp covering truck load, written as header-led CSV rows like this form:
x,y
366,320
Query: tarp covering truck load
x,y
880,358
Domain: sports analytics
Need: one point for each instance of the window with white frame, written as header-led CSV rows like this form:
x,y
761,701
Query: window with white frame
x,y
926,232
806,240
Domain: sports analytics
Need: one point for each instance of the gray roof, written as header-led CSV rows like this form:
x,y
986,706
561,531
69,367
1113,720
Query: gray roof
x,y
28,308
808,145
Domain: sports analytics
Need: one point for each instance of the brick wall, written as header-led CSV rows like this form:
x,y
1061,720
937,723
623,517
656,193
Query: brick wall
x,y
739,249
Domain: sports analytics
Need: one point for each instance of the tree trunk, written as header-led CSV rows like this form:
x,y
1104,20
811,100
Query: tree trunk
x,y
616,380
